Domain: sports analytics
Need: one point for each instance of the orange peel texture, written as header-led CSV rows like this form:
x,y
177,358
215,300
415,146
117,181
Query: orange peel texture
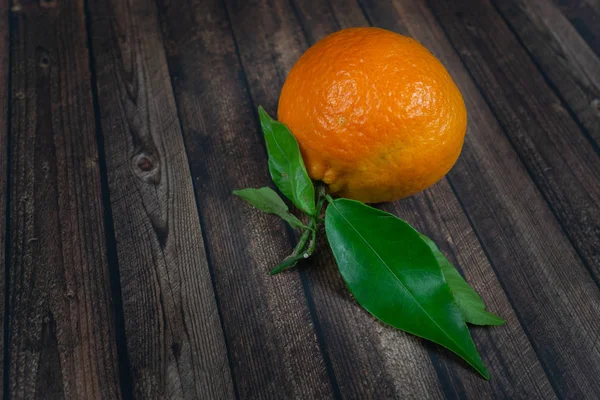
x,y
377,116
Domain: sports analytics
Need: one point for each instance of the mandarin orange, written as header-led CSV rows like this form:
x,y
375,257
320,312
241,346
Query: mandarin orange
x,y
376,115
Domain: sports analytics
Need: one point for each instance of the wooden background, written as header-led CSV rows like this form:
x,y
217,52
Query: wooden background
x,y
131,270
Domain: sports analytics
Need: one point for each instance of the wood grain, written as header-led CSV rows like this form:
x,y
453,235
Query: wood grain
x,y
566,59
174,336
61,330
267,321
507,351
4,127
174,86
558,156
552,293
585,17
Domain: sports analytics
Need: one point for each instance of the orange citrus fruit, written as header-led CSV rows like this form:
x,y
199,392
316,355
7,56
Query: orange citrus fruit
x,y
376,115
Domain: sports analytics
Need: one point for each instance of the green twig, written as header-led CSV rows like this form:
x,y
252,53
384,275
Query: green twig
x,y
291,260
302,250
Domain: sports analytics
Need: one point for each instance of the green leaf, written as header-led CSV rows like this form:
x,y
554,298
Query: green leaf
x,y
285,164
470,304
393,274
267,200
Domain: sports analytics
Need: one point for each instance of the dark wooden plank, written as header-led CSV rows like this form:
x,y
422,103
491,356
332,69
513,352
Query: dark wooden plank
x,y
553,294
558,156
61,328
267,321
174,336
510,357
585,17
4,53
566,59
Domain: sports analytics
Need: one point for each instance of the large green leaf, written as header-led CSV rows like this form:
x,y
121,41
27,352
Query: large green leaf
x,y
267,200
470,304
285,164
393,274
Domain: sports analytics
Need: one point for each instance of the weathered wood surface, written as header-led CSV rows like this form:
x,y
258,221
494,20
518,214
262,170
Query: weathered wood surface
x,y
562,56
174,337
133,271
531,256
585,17
4,53
61,336
268,324
555,151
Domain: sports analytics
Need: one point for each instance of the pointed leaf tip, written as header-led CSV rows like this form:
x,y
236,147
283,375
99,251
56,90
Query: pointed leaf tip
x,y
268,201
469,302
394,275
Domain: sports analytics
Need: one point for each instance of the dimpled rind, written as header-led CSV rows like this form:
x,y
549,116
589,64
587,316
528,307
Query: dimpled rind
x,y
377,116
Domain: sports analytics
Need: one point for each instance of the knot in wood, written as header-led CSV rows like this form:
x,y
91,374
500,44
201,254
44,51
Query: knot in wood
x,y
145,164
146,167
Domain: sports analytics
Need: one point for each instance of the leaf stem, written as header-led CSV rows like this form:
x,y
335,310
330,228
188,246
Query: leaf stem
x,y
291,260
302,250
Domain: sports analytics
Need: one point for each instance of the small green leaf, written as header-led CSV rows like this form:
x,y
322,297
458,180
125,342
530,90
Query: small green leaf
x,y
267,200
394,275
285,164
470,304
